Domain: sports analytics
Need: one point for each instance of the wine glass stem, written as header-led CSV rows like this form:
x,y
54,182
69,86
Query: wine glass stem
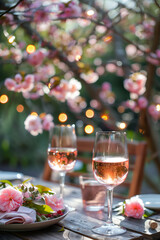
x,y
62,180
109,201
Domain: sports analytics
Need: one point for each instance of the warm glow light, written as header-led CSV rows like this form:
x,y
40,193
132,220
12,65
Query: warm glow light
x,y
107,39
42,115
90,113
89,129
11,39
77,57
30,48
90,12
34,114
20,108
105,117
122,125
158,107
62,117
3,99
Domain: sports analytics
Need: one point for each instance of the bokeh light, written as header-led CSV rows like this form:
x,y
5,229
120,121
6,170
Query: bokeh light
x,y
20,108
107,39
121,109
62,117
4,99
34,114
89,113
11,39
89,129
90,12
30,49
105,116
121,125
158,107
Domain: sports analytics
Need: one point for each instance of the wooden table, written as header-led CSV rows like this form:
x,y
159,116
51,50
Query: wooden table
x,y
77,224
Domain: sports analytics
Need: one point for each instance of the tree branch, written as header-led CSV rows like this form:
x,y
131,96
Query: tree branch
x,y
9,9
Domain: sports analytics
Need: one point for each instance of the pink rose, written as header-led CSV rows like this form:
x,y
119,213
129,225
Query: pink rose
x,y
10,199
134,207
55,203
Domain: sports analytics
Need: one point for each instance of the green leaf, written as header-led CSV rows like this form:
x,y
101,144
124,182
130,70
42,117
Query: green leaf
x,y
61,230
43,189
6,181
42,209
27,180
148,212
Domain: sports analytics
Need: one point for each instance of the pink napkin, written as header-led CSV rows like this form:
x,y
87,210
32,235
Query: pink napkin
x,y
22,215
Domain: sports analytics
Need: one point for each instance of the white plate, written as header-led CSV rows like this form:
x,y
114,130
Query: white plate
x,y
6,175
33,226
151,201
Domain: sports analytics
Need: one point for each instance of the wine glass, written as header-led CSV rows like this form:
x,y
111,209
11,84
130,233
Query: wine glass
x,y
110,167
62,151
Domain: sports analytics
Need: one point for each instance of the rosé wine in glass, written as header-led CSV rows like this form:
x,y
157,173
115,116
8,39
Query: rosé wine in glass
x,y
110,171
62,159
62,151
110,165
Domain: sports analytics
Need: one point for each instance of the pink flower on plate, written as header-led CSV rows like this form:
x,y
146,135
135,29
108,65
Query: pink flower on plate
x,y
10,199
134,207
33,125
54,202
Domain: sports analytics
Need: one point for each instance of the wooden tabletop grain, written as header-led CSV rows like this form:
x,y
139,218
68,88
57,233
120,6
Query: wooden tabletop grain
x,y
78,224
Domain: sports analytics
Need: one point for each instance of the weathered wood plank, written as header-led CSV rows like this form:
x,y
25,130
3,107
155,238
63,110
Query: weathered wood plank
x,y
80,223
8,236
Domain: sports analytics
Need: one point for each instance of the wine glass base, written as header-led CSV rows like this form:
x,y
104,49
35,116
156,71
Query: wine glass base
x,y
109,230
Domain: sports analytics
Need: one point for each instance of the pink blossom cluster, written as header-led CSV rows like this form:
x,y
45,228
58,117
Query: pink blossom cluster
x,y
136,105
70,9
134,207
36,124
36,92
136,83
66,89
90,77
106,93
144,30
36,58
20,83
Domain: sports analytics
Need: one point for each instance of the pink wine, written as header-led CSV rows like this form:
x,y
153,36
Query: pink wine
x,y
110,171
62,159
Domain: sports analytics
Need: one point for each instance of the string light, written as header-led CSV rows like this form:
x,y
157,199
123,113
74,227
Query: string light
x,y
11,39
90,113
30,49
105,117
121,125
89,129
34,114
4,99
90,12
20,108
107,39
62,117
158,107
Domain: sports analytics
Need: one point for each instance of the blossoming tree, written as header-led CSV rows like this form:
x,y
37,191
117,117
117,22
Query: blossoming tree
x,y
107,49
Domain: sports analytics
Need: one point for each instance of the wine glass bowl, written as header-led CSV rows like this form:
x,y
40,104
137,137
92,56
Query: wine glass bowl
x,y
62,150
110,166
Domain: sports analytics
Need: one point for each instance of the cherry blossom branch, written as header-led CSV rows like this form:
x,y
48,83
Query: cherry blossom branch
x,y
9,9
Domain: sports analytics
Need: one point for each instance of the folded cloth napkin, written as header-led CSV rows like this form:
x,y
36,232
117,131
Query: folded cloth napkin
x,y
22,215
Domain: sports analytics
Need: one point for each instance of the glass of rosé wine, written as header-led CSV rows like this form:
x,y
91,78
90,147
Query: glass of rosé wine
x,y
62,151
110,165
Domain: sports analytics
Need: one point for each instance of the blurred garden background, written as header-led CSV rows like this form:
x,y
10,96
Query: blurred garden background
x,y
92,63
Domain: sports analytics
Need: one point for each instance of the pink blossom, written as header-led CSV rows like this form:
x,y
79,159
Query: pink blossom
x,y
33,125
10,199
47,122
54,202
134,207
90,77
106,86
142,102
36,58
70,10
136,83
10,84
